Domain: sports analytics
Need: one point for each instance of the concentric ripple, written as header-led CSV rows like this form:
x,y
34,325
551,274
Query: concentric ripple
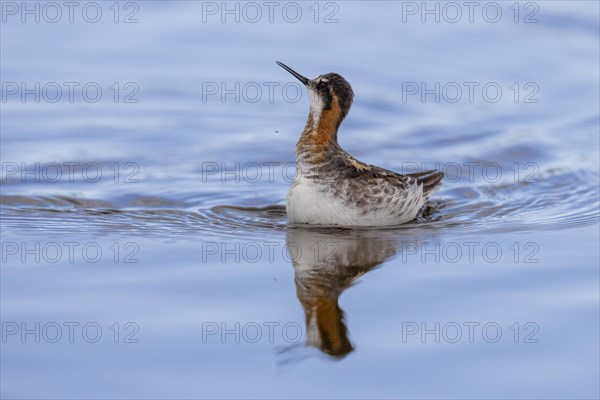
x,y
558,200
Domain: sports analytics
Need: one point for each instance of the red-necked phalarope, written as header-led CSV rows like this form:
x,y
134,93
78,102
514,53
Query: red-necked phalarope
x,y
333,188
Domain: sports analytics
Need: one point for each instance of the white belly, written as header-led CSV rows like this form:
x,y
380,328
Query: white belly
x,y
311,203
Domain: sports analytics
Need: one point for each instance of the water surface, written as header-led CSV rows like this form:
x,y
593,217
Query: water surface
x,y
176,269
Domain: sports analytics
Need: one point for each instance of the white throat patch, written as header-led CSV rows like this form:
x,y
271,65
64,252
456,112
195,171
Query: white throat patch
x,y
316,106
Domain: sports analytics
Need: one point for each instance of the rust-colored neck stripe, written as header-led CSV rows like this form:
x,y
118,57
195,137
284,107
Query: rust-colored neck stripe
x,y
318,135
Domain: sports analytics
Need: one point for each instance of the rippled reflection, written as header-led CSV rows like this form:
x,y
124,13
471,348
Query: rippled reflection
x,y
325,265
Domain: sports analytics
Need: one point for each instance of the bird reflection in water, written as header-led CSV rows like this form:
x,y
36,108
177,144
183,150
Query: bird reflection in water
x,y
325,265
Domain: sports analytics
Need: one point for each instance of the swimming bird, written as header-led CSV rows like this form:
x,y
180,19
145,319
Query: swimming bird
x,y
333,188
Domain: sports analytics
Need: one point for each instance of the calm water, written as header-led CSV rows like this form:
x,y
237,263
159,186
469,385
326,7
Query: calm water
x,y
146,252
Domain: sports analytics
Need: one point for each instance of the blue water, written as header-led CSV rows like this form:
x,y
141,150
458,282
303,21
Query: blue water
x,y
146,252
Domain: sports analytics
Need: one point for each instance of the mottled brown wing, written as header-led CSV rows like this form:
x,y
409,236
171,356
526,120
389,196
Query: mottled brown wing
x,y
430,179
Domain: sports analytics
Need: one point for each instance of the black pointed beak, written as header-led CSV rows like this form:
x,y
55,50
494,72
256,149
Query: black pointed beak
x,y
301,78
